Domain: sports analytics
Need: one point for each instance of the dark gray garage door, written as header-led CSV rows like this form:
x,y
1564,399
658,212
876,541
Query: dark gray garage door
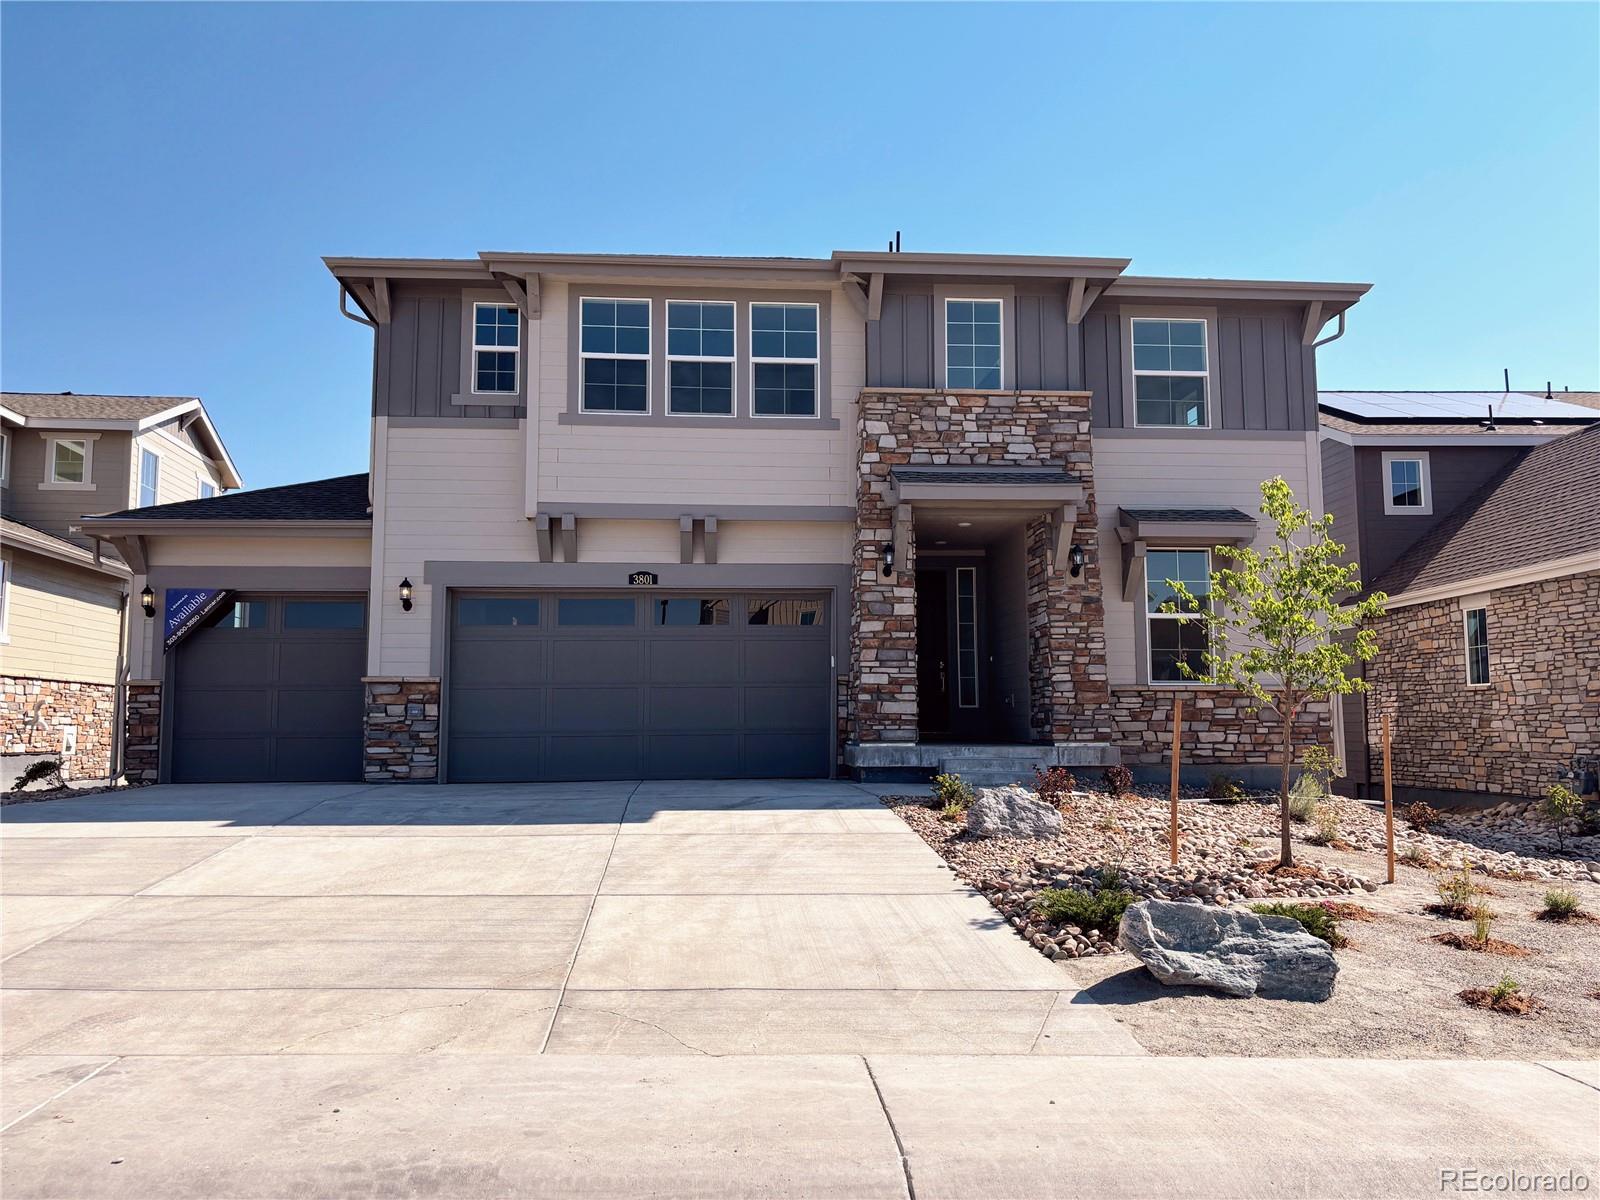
x,y
553,686
270,689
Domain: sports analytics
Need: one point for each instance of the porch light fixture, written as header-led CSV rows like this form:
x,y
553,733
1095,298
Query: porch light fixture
x,y
888,560
147,599
405,594
1076,557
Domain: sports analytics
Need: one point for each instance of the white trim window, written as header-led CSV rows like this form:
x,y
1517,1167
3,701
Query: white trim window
x,y
974,354
784,358
1171,372
69,462
5,601
1173,638
1475,622
1407,488
149,477
5,457
496,349
700,341
207,489
614,355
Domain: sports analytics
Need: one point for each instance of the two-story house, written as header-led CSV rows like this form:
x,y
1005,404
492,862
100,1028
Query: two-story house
x,y
63,596
1476,514
656,516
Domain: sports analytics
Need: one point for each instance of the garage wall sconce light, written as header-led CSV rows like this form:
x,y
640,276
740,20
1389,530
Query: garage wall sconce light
x,y
405,594
147,600
1076,558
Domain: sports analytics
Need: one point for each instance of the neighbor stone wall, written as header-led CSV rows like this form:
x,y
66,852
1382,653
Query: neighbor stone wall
x,y
141,739
1524,731
1218,727
402,730
35,715
1066,618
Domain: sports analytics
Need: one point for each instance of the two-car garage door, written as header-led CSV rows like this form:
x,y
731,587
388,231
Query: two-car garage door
x,y
562,686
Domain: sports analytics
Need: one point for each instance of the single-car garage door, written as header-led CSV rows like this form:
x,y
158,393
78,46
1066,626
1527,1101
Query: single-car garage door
x,y
555,686
269,689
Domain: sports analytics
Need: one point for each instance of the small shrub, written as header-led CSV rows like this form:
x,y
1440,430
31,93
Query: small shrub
x,y
1108,879
1303,800
1421,817
1224,789
1320,763
1482,923
1316,920
1458,894
1327,831
46,769
1506,996
1103,910
1118,780
1054,785
952,793
1505,989
1108,824
1560,805
1560,904
1414,855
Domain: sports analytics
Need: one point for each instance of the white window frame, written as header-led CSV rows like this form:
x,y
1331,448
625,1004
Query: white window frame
x,y
730,359
649,381
1144,603
1390,509
1467,610
816,362
1205,346
5,457
5,601
202,484
50,482
155,486
948,301
515,351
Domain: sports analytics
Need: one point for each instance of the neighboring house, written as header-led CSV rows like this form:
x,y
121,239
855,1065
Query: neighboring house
x,y
1486,538
62,595
654,516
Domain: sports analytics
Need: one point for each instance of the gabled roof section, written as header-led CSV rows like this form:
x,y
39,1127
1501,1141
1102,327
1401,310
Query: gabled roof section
x,y
70,410
1541,509
341,500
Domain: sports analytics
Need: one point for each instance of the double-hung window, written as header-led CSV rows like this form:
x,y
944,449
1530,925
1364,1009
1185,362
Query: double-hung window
x,y
614,353
496,346
972,345
783,359
207,490
1477,628
700,357
1175,640
1405,484
69,460
1170,376
149,478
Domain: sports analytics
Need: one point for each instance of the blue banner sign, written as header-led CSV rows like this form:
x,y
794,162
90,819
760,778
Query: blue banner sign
x,y
187,607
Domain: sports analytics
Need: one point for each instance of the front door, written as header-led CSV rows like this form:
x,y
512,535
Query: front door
x,y
933,653
949,655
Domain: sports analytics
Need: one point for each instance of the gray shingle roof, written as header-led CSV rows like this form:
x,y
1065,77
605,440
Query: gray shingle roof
x,y
65,406
1444,429
340,499
995,475
1208,515
1540,508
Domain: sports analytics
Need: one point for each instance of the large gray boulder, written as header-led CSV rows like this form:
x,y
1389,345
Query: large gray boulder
x,y
1011,812
1229,949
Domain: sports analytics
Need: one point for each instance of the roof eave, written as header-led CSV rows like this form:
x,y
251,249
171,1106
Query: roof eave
x,y
1334,296
234,526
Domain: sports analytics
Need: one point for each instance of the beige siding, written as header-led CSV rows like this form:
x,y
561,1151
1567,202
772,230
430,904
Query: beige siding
x,y
61,623
1155,470
182,466
259,551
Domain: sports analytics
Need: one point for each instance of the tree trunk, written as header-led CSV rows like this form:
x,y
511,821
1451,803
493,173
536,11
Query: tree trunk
x,y
1285,846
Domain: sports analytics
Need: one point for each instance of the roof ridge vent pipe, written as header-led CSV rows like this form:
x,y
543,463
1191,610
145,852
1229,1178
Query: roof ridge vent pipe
x,y
1549,394
1508,380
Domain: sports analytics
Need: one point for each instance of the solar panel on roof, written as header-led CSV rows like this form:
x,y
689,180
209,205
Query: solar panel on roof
x,y
1451,406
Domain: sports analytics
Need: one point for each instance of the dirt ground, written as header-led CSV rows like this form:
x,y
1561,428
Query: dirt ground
x,y
1396,995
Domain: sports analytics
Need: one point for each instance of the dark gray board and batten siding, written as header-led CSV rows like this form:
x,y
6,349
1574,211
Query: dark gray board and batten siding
x,y
417,369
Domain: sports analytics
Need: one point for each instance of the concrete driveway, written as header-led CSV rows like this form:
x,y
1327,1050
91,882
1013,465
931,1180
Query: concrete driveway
x,y
618,989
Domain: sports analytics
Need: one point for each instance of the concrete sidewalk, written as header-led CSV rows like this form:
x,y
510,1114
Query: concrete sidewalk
x,y
931,1128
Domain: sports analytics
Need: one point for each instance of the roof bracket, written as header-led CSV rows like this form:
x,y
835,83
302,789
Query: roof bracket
x,y
569,537
1133,552
854,293
541,525
875,297
524,294
902,537
1314,323
709,527
373,297
686,539
1062,522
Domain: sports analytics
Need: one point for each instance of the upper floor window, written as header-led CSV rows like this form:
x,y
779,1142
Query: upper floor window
x,y
1405,484
1170,372
69,460
207,490
1477,622
1176,642
700,357
614,350
972,344
783,359
496,346
149,478
5,457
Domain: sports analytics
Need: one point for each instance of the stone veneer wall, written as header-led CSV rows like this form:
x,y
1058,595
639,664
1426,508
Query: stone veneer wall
x,y
90,707
402,730
1517,736
1066,625
141,745
1218,727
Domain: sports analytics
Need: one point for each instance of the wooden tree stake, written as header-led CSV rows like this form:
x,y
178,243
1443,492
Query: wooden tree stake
x,y
1388,797
1177,738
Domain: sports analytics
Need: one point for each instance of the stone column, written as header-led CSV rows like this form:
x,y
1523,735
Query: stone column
x,y
402,730
883,616
141,744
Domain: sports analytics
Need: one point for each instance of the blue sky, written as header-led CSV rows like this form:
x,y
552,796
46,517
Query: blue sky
x,y
172,174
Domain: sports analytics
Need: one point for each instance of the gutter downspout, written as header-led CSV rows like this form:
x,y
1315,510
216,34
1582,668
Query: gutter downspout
x,y
120,692
1334,336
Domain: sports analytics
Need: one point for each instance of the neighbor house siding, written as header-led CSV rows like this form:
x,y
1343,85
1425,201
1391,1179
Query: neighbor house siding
x,y
182,466
61,623
54,509
1339,496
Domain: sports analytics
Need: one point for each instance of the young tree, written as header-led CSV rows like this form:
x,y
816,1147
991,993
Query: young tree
x,y
1274,619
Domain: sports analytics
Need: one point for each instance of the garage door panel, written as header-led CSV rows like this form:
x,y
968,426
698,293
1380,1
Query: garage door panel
x,y
702,708
691,756
782,659
501,661
322,663
595,710
788,754
222,760
616,757
317,710
496,759
597,660
229,657
208,711
310,759
774,708
498,710
690,659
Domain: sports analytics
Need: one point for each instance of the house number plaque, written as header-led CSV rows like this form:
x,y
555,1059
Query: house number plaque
x,y
643,579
